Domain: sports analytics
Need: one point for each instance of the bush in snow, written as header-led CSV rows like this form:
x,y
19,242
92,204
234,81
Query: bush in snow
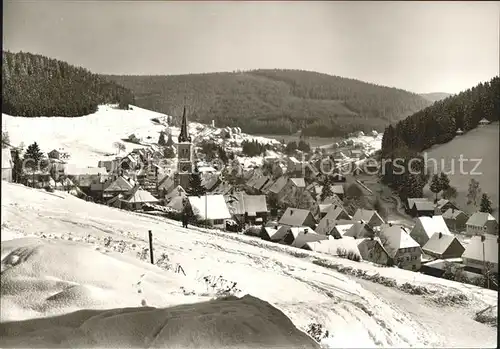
x,y
317,331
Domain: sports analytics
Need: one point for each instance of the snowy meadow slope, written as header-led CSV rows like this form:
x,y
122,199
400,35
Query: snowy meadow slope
x,y
356,312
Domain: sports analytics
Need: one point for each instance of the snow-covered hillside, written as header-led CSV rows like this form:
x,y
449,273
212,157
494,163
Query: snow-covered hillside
x,y
356,312
90,138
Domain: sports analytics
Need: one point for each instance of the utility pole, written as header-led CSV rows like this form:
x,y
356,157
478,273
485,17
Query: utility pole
x,y
483,238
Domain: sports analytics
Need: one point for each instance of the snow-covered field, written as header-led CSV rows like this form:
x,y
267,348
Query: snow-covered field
x,y
356,312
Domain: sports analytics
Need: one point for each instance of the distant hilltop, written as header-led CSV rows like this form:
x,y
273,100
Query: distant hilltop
x,y
435,96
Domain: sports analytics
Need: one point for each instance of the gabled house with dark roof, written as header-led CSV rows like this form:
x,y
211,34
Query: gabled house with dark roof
x,y
327,223
405,252
423,208
481,223
295,217
370,217
118,186
136,198
276,189
443,205
443,246
359,230
455,219
297,236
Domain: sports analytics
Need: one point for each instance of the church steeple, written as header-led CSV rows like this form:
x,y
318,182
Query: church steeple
x,y
184,135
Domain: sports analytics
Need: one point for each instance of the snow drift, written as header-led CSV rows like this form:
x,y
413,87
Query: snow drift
x,y
56,278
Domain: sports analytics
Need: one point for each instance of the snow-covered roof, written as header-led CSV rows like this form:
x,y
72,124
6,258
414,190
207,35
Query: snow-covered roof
x,y
452,213
331,246
298,182
120,184
479,219
474,249
74,170
216,206
439,243
139,195
434,224
366,215
303,235
396,239
327,223
294,217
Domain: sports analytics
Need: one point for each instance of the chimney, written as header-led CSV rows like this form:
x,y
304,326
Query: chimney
x,y
291,212
452,210
440,235
305,231
390,224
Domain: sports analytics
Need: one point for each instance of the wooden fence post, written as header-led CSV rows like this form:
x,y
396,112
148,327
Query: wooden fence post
x,y
151,246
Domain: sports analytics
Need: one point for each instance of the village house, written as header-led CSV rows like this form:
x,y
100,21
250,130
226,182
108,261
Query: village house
x,y
247,208
340,228
210,181
455,219
213,208
443,205
296,236
370,217
405,252
147,177
421,207
295,217
481,223
327,223
129,162
136,198
178,191
438,267
443,246
426,227
7,165
84,177
479,253
259,184
359,230
372,250
277,189
119,186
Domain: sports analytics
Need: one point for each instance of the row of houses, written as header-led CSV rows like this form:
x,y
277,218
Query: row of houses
x,y
456,220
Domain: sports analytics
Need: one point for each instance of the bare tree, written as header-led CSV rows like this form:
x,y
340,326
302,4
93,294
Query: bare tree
x,y
119,147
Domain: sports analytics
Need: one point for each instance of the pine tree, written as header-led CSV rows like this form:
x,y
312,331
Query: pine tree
x,y
17,168
161,140
444,181
486,204
449,193
195,186
435,185
32,158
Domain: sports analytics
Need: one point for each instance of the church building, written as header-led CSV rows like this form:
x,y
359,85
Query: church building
x,y
184,155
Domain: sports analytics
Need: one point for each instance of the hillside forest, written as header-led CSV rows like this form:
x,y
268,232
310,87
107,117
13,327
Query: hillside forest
x,y
433,125
276,101
35,85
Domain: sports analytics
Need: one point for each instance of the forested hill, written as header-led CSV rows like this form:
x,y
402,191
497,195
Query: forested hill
x,y
35,85
276,101
438,123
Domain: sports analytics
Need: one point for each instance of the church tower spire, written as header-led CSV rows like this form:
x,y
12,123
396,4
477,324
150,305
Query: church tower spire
x,y
184,135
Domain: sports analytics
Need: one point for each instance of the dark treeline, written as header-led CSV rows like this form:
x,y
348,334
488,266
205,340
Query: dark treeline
x,y
35,85
439,123
276,101
433,125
